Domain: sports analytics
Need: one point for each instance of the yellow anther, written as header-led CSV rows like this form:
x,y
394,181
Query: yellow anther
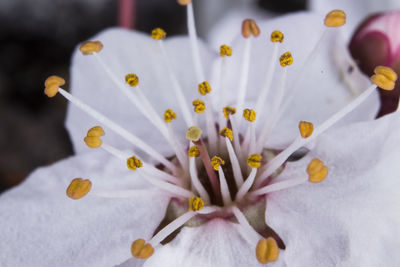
x,y
384,78
184,2
141,250
225,50
249,115
158,34
52,84
134,163
169,115
254,161
249,27
317,171
90,47
195,203
277,36
199,106
228,111
92,138
132,79
193,133
335,18
286,59
78,188
267,250
194,151
204,88
226,132
216,162
306,129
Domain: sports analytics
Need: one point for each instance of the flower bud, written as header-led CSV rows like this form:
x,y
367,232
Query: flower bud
x,y
377,42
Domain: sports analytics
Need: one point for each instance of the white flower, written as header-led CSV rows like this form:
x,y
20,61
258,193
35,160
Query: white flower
x,y
348,217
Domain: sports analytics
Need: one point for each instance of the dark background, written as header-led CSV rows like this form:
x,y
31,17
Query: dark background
x,y
37,38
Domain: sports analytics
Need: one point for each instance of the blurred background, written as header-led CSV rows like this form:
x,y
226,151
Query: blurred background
x,y
37,39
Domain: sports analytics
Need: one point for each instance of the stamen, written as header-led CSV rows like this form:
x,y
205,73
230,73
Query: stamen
x,y
248,27
317,171
225,50
267,250
52,84
176,86
254,161
235,130
118,130
132,79
247,232
384,78
193,153
228,111
170,188
134,163
184,2
276,37
90,47
169,115
171,227
286,59
92,138
193,133
158,34
226,132
193,41
335,18
306,129
237,173
195,203
249,115
78,188
204,88
199,106
141,250
216,162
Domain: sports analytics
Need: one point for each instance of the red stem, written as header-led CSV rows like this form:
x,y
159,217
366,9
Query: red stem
x,y
127,14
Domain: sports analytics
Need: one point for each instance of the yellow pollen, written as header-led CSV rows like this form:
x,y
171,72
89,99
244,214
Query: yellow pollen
x,y
158,34
90,47
195,203
225,50
249,115
286,59
306,129
52,84
194,151
335,18
216,162
141,250
184,2
169,115
277,36
254,161
78,188
134,163
249,27
384,78
267,250
228,111
317,171
204,88
132,79
199,106
193,133
92,138
226,132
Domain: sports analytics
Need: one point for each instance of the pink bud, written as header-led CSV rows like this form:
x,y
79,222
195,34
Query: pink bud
x,y
377,42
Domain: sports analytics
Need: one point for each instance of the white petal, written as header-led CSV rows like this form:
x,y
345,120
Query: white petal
x,y
356,10
352,217
131,52
322,90
216,243
41,226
